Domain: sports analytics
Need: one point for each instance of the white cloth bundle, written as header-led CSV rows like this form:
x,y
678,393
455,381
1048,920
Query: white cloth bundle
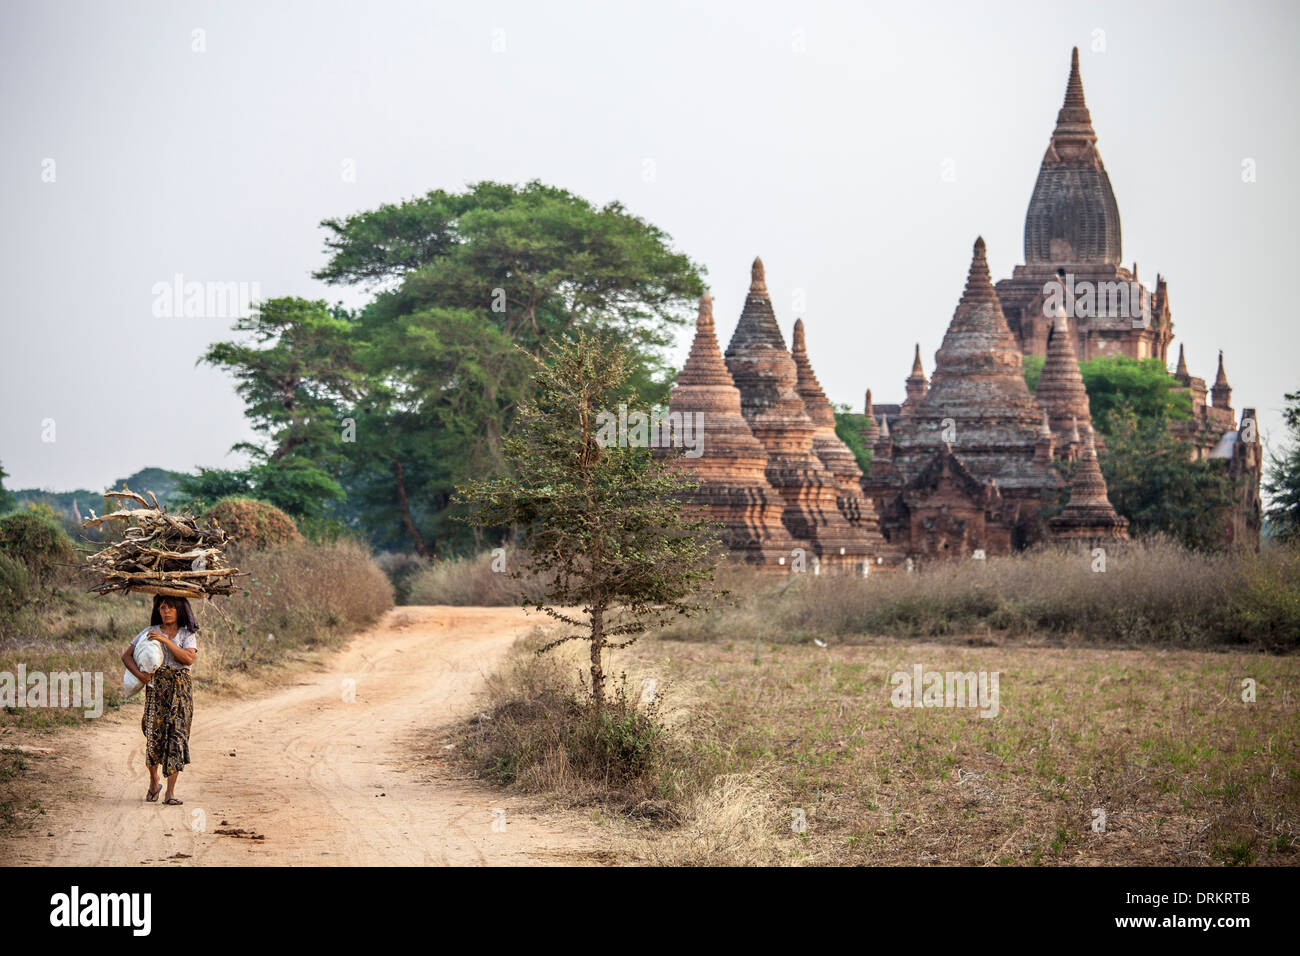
x,y
148,657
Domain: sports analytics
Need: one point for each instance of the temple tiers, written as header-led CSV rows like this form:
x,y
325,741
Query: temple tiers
x,y
733,485
1072,241
979,413
1089,515
1061,392
767,377
834,454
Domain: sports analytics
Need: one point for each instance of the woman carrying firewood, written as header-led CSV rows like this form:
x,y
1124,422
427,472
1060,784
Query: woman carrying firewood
x,y
168,693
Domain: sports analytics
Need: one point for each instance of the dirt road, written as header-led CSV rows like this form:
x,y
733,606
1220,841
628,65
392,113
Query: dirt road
x,y
302,776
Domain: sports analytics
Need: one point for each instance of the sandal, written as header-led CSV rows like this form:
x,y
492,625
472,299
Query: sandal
x,y
173,801
152,795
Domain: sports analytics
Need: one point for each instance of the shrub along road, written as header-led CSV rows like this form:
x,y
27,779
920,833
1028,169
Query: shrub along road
x,y
303,776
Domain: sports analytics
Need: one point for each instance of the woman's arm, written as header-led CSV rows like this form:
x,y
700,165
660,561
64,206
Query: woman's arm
x,y
184,656
128,658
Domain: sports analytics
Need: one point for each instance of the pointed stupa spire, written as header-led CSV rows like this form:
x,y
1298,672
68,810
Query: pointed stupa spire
x,y
704,318
979,286
1220,378
768,378
1089,513
1074,122
915,384
1061,392
1073,217
978,381
829,447
1221,392
1182,374
731,469
1044,447
884,426
757,326
704,366
806,384
1074,430
870,429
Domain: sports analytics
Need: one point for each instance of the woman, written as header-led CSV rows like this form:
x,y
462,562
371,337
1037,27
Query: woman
x,y
168,694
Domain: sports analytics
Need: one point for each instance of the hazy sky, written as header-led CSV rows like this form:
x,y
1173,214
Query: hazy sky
x,y
815,135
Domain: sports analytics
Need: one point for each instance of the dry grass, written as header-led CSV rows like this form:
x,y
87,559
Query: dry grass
x,y
1151,592
299,597
539,734
1186,772
470,582
1120,692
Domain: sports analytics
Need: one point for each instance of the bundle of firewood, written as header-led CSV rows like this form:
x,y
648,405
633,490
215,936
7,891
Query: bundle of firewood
x,y
161,553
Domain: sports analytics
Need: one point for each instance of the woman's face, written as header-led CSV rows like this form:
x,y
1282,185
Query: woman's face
x,y
167,611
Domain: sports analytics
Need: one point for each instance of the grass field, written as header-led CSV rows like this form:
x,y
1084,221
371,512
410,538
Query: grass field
x,y
1161,742
1124,732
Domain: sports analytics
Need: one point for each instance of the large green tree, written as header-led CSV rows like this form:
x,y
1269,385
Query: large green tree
x,y
1142,386
1152,480
1282,483
1152,475
298,374
461,279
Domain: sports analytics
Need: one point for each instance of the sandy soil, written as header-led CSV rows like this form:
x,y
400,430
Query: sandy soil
x,y
301,776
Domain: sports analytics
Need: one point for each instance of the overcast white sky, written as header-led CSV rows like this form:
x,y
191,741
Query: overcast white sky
x,y
812,134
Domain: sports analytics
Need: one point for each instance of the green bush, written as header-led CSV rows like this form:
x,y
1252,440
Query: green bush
x,y
39,543
13,583
253,524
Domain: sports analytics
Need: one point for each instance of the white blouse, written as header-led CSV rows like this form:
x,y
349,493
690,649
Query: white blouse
x,y
185,638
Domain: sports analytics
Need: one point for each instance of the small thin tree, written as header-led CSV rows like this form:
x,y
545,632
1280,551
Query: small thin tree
x,y
1282,481
604,526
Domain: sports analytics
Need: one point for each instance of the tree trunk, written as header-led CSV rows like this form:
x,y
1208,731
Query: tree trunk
x,y
597,671
399,478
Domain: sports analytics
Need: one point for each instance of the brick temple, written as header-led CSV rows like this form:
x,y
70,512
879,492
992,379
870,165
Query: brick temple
x,y
970,461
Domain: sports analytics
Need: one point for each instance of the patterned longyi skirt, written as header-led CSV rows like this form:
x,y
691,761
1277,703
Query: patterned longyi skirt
x,y
168,710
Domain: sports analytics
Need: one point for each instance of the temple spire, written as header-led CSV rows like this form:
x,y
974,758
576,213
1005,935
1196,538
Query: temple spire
x,y
979,286
806,384
1089,514
1074,122
915,384
704,319
870,428
1221,392
1074,85
757,326
1182,374
704,366
1061,392
1073,217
